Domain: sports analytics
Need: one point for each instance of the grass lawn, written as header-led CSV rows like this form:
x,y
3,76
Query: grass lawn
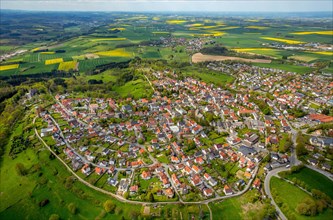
x,y
314,180
290,196
241,207
227,209
163,159
106,76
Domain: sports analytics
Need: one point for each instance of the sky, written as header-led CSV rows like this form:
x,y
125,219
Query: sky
x,y
171,5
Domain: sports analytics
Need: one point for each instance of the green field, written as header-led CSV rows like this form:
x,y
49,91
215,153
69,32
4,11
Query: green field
x,y
285,67
246,206
290,196
208,76
314,180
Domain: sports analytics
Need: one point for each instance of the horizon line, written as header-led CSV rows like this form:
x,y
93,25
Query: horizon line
x,y
157,11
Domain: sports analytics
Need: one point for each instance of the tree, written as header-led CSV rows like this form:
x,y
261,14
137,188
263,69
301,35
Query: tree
x,y
20,169
54,217
140,141
134,214
118,210
300,149
72,208
307,207
126,195
109,206
150,197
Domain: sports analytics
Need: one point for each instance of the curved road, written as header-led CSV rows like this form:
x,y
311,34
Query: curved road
x,y
268,190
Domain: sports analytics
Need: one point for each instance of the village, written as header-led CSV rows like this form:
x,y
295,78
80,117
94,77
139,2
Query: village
x,y
191,141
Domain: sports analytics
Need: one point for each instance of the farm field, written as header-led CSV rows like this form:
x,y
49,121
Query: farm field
x,y
66,66
127,38
9,67
199,57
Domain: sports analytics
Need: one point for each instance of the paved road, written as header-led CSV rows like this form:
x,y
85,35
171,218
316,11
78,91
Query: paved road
x,y
268,190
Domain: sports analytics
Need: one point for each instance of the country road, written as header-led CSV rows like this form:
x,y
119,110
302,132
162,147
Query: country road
x,y
268,190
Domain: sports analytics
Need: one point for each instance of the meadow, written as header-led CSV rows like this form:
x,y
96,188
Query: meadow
x,y
290,195
314,180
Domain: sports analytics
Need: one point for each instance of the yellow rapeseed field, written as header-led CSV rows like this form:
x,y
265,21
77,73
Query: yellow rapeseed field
x,y
210,34
114,53
228,28
314,32
252,20
175,21
118,28
329,53
66,66
251,49
53,61
256,27
195,25
283,40
156,18
48,52
35,49
108,39
9,67
160,32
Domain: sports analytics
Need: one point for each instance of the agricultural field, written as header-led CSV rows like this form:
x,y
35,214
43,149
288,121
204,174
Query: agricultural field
x,y
54,61
199,57
9,67
69,65
137,36
283,40
314,32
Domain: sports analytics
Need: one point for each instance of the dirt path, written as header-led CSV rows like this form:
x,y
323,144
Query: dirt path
x,y
199,57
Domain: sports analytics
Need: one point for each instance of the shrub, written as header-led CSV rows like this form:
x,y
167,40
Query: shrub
x,y
54,217
20,169
72,208
109,206
44,202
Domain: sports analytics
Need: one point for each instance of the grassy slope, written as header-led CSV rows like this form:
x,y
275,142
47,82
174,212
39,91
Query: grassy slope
x,y
208,76
137,88
291,196
314,180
